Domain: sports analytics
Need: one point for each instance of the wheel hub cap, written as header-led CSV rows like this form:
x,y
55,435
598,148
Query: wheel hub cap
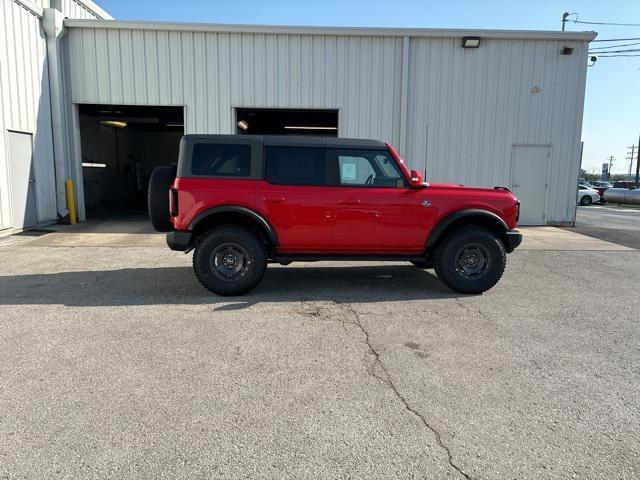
x,y
472,261
229,261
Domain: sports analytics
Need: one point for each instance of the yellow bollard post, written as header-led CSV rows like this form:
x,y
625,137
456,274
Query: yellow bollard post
x,y
71,201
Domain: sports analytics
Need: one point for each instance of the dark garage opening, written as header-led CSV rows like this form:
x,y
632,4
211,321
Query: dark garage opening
x,y
121,145
281,121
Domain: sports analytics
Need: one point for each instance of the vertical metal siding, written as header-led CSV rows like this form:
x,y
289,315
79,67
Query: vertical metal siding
x,y
76,9
24,87
211,73
465,107
468,107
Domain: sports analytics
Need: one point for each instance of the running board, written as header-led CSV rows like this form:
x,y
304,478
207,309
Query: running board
x,y
287,259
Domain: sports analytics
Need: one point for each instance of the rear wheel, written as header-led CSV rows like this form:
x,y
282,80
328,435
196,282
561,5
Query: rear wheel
x,y
586,200
158,197
470,259
229,260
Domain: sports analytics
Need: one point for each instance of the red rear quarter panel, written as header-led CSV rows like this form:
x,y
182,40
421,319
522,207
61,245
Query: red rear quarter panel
x,y
195,195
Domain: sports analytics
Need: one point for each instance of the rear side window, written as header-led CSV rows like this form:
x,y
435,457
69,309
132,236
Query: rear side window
x,y
296,166
221,160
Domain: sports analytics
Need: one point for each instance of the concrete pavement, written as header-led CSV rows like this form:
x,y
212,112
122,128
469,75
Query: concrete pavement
x,y
116,363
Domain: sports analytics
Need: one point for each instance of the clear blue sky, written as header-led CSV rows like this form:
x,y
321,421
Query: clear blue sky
x,y
612,107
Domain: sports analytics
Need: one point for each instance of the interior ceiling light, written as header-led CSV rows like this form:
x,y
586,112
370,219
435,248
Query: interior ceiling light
x,y
291,127
242,125
470,42
175,124
114,123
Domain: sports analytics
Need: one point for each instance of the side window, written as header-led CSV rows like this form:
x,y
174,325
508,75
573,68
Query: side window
x,y
296,166
369,168
219,159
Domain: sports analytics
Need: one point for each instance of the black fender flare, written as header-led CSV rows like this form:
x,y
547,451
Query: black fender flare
x,y
268,228
486,215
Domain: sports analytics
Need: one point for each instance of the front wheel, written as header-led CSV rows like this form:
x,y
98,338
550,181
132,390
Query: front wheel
x,y
586,200
229,260
470,259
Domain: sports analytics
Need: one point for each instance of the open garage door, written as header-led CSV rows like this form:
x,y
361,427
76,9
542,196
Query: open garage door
x,y
287,121
121,145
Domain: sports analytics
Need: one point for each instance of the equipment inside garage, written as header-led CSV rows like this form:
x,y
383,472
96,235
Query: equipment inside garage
x,y
287,121
121,145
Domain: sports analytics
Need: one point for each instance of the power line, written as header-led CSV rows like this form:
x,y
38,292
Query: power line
x,y
614,39
618,55
606,23
618,51
616,46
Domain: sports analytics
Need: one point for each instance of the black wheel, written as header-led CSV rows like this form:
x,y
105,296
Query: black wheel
x,y
158,197
586,200
423,264
229,260
470,259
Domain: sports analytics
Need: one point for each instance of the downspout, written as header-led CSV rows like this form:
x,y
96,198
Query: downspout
x,y
52,23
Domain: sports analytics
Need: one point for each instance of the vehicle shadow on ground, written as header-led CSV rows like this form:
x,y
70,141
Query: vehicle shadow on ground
x,y
178,285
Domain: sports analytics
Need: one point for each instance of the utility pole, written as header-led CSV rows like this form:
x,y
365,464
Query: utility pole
x,y
564,19
638,163
630,158
611,159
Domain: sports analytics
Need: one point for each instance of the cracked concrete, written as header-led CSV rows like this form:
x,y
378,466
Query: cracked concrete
x,y
115,363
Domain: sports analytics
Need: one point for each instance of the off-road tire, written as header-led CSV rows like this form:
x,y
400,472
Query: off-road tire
x,y
447,259
238,241
158,197
585,201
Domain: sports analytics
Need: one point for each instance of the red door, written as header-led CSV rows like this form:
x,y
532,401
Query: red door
x,y
296,198
376,210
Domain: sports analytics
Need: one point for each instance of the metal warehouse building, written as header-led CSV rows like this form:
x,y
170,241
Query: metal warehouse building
x,y
103,102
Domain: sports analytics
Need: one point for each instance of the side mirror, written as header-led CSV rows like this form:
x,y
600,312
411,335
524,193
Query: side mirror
x,y
417,181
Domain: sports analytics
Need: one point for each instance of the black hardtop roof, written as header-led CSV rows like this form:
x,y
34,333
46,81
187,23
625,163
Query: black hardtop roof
x,y
293,140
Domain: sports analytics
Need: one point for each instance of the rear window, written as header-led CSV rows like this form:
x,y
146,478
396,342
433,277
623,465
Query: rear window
x,y
221,160
296,165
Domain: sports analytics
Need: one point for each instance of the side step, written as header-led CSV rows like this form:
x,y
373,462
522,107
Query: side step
x,y
287,259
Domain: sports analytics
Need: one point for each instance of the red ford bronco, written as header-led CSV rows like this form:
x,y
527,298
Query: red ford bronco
x,y
243,201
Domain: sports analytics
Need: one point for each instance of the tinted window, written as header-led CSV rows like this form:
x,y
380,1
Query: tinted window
x,y
296,166
369,168
225,160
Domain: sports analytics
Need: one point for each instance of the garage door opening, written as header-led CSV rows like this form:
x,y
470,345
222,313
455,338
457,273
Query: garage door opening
x,y
121,145
279,121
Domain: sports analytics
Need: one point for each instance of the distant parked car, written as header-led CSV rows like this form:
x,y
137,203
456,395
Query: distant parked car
x,y
582,182
601,187
600,184
626,184
587,195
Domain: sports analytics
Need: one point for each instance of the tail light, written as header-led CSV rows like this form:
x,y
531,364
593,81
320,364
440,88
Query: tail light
x,y
517,211
173,202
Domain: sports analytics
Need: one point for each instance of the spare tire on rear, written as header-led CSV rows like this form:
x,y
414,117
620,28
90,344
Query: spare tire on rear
x,y
158,199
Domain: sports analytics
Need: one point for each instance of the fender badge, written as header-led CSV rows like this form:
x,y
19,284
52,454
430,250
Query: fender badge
x,y
426,203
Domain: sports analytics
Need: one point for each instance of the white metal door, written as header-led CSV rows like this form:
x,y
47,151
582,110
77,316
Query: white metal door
x,y
529,181
23,192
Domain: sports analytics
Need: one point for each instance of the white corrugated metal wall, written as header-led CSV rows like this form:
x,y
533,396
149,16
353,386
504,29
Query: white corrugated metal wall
x,y
468,107
463,110
24,85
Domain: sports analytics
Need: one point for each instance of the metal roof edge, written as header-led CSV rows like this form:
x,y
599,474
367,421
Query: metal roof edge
x,y
339,31
95,9
32,7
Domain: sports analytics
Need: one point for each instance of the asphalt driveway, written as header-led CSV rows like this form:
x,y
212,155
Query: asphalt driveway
x,y
116,364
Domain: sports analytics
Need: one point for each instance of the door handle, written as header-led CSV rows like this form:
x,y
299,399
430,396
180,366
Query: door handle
x,y
275,199
349,201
